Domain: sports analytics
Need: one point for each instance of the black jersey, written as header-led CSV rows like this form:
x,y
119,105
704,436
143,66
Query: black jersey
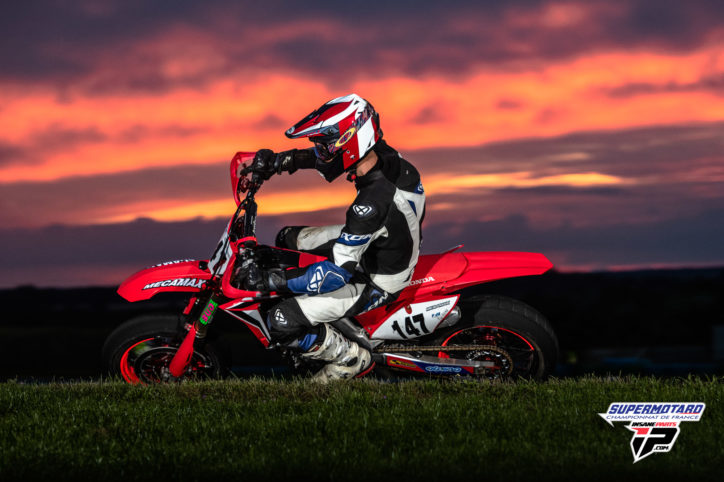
x,y
381,235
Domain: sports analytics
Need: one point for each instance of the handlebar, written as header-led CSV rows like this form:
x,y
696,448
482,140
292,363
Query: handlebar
x,y
245,170
252,184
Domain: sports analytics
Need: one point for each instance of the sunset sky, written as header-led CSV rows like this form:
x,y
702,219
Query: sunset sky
x,y
590,131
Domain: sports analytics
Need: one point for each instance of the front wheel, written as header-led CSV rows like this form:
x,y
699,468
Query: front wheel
x,y
141,349
516,338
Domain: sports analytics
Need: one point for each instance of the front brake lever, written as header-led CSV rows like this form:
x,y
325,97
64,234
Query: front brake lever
x,y
245,170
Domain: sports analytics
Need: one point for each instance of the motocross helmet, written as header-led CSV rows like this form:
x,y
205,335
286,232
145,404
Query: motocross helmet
x,y
343,131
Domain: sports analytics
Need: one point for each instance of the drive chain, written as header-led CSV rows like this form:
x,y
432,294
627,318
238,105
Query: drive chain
x,y
411,348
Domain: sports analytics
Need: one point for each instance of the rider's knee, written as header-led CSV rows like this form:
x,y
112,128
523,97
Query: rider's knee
x,y
287,321
287,237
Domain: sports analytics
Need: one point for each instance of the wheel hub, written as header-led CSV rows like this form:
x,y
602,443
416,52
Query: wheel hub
x,y
150,362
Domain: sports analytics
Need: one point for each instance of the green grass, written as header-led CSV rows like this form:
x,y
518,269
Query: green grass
x,y
362,430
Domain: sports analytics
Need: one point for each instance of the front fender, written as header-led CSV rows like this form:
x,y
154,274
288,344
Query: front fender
x,y
175,276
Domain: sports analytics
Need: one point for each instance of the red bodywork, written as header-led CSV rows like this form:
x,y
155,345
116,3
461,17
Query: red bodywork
x,y
174,276
439,274
435,275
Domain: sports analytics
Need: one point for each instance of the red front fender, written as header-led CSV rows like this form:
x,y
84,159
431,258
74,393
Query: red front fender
x,y
175,276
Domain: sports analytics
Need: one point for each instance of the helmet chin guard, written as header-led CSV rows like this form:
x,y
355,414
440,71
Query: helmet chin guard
x,y
343,131
331,169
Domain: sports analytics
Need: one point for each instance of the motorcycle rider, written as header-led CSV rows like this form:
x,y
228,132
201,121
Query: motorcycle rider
x,y
370,258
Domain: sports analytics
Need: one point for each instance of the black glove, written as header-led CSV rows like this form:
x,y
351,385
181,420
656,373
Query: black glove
x,y
284,161
266,162
294,159
263,163
252,278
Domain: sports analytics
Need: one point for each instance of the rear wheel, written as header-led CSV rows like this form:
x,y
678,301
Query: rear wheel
x,y
516,338
141,349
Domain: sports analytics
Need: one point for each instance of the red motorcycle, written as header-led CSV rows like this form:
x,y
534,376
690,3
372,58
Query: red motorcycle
x,y
428,329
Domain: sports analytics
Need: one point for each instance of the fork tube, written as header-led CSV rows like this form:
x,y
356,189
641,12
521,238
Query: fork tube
x,y
181,359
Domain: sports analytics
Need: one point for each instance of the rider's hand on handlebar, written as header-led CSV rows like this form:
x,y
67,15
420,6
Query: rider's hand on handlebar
x,y
284,161
248,276
266,162
263,163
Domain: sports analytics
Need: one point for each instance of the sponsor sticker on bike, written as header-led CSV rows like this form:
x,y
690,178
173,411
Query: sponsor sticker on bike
x,y
655,425
178,282
208,312
176,261
421,281
397,362
442,369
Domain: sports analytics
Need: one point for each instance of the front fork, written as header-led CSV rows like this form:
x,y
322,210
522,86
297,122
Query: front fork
x,y
198,330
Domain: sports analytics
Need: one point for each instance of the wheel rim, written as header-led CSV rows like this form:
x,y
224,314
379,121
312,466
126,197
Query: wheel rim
x,y
513,354
147,361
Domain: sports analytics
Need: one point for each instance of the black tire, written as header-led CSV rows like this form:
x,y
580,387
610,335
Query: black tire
x,y
526,340
140,349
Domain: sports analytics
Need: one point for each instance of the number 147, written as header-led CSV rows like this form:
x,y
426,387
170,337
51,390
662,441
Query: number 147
x,y
410,327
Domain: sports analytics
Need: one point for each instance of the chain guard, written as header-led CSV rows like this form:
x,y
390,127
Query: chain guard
x,y
504,359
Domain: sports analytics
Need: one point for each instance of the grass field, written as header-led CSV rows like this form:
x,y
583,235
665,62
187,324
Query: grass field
x,y
364,430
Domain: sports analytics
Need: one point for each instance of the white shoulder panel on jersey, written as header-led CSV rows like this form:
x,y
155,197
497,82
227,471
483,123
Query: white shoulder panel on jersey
x,y
404,201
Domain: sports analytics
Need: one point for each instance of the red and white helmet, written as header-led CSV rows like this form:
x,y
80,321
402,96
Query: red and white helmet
x,y
343,130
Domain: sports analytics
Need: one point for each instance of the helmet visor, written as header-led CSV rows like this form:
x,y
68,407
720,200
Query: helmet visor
x,y
323,151
324,147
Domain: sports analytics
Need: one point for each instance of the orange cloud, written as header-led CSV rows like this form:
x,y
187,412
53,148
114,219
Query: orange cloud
x,y
230,114
272,203
339,195
446,183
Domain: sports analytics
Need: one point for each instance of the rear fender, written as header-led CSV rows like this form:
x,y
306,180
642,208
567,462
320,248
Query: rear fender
x,y
483,267
175,276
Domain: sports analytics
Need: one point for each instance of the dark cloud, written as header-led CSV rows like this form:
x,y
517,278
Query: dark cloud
x,y
139,132
74,200
560,206
508,104
680,241
271,121
71,200
61,255
664,151
559,191
54,37
712,83
10,153
52,138
110,45
429,114
58,137
71,256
